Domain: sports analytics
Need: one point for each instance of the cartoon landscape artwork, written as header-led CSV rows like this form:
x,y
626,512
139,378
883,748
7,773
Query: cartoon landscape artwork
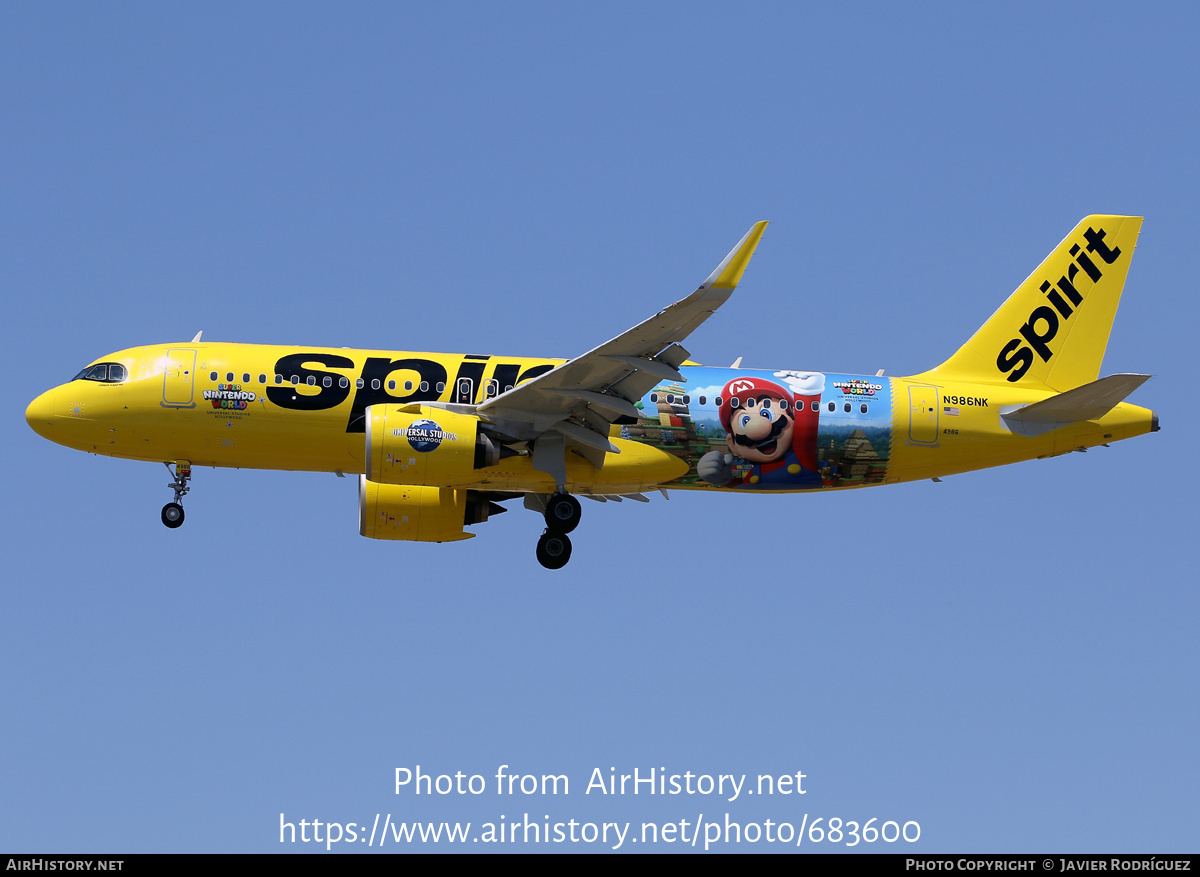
x,y
768,430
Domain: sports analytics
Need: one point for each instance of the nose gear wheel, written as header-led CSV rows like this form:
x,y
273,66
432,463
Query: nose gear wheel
x,y
172,515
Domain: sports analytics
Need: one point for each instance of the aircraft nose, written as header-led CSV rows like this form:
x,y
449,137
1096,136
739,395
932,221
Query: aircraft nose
x,y
40,413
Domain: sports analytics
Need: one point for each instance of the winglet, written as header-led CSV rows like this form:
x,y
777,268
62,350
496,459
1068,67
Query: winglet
x,y
729,272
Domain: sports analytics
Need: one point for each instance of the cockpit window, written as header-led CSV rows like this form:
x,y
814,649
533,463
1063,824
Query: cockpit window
x,y
104,372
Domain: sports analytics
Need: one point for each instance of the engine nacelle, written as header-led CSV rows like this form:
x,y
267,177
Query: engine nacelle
x,y
419,514
418,445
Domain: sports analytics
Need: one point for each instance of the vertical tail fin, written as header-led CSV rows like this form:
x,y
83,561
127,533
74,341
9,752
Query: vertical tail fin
x,y
1052,332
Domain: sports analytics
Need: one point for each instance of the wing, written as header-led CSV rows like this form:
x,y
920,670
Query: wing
x,y
577,402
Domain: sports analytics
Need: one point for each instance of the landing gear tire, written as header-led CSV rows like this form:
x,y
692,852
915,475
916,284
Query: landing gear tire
x,y
553,550
172,515
563,514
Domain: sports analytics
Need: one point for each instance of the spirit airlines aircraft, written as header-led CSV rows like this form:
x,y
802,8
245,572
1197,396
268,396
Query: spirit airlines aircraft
x,y
438,440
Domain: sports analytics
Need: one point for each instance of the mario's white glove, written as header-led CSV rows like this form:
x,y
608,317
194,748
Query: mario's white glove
x,y
803,383
716,468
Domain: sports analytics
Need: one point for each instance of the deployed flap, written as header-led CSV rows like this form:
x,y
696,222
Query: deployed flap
x,y
1089,402
621,370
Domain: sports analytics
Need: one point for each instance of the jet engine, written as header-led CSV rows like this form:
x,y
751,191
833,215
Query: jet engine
x,y
419,514
418,445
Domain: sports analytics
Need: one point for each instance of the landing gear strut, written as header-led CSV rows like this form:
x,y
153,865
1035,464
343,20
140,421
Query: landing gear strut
x,y
172,512
562,516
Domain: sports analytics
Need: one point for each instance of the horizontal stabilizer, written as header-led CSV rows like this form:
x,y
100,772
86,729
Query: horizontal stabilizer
x,y
1089,402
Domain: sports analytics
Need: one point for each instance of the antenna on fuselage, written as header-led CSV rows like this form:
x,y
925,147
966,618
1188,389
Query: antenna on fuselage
x,y
197,338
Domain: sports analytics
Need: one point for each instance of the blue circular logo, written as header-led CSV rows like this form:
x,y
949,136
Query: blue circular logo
x,y
425,435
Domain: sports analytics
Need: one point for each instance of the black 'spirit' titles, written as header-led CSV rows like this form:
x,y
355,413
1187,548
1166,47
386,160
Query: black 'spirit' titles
x,y
471,371
1043,323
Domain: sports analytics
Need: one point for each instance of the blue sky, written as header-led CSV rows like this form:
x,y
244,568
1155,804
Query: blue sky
x,y
1007,658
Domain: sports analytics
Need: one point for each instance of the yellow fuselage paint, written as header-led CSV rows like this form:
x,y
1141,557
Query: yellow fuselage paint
x,y
179,403
162,414
930,444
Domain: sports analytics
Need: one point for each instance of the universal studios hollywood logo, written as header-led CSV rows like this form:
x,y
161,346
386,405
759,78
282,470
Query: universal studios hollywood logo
x,y
425,435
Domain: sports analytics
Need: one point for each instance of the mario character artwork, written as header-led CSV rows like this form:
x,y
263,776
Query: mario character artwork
x,y
771,431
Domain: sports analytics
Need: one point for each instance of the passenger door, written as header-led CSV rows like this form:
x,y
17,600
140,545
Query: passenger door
x,y
179,379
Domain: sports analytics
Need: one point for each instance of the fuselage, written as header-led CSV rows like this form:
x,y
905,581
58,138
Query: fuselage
x,y
292,408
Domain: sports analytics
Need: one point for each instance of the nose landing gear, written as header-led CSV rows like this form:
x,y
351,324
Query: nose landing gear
x,y
172,512
562,516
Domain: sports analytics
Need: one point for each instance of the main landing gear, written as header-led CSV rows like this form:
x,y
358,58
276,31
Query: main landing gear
x,y
562,516
172,512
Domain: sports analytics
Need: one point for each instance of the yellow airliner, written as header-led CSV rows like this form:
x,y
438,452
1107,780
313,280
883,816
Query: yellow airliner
x,y
438,440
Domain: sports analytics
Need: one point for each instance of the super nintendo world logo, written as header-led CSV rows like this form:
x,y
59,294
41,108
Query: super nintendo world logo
x,y
230,396
857,387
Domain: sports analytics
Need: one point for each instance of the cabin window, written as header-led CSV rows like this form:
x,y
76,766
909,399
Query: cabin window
x,y
246,378
391,385
846,407
262,379
424,386
816,406
703,400
375,384
687,400
863,408
312,381
359,383
212,376
654,397
833,406
295,380
327,381
491,388
441,386
783,403
408,386
717,401
507,388
343,382
279,379
734,402
229,377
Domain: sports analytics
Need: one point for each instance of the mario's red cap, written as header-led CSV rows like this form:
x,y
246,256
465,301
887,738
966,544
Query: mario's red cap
x,y
745,389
